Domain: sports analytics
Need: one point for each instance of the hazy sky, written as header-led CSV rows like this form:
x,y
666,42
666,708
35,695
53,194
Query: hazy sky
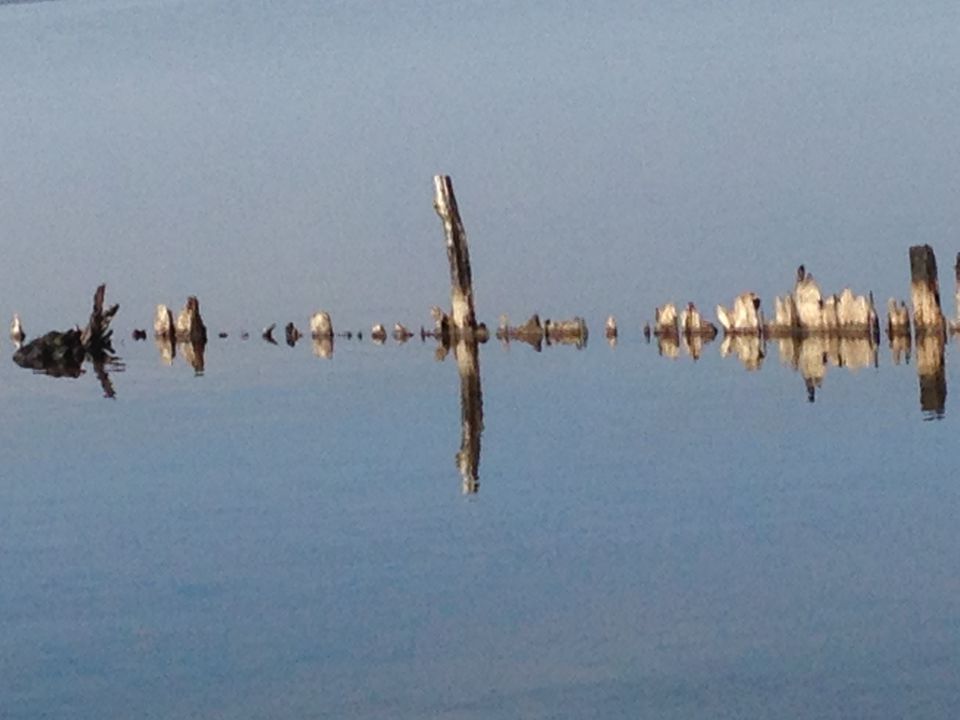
x,y
274,158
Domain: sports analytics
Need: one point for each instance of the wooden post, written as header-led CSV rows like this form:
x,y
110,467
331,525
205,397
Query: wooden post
x,y
925,291
461,283
956,270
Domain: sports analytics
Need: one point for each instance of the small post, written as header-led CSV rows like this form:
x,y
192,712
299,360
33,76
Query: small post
x,y
925,291
461,283
956,270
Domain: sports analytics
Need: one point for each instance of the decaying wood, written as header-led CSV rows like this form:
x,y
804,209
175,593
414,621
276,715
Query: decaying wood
x,y
744,318
693,325
898,319
665,321
320,325
292,334
925,291
163,325
190,327
610,328
62,354
807,312
400,333
956,322
17,335
463,319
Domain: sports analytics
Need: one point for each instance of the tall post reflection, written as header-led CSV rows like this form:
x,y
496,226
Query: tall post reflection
x,y
930,371
467,354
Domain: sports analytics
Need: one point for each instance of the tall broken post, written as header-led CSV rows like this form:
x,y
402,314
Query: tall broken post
x,y
463,319
463,334
929,329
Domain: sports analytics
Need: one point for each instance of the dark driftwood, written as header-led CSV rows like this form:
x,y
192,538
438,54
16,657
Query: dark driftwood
x,y
62,354
925,291
463,318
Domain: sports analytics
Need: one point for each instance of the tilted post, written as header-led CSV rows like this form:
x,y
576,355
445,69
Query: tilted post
x,y
925,291
461,283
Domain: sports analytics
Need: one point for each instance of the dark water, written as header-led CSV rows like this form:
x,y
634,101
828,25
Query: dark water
x,y
287,536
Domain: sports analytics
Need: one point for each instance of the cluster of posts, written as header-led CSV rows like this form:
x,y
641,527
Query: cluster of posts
x,y
811,329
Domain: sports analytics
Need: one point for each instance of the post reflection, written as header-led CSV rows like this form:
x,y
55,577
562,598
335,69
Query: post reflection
x,y
930,372
810,356
471,414
750,349
193,353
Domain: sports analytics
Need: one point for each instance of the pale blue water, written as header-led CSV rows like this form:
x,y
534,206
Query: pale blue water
x,y
286,536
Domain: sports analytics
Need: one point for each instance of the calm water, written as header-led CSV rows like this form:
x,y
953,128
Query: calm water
x,y
286,536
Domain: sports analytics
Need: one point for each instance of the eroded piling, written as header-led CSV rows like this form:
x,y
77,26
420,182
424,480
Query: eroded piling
x,y
925,291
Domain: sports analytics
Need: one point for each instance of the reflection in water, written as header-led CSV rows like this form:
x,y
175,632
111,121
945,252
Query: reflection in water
x,y
693,343
810,356
933,380
323,347
471,414
192,352
900,349
750,349
668,346
167,349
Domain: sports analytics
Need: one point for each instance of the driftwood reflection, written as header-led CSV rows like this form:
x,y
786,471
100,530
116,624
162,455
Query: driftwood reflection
x,y
471,413
193,352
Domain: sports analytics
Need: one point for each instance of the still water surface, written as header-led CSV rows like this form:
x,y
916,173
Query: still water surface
x,y
286,536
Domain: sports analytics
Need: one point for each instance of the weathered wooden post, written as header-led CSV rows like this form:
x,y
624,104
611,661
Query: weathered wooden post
x,y
461,282
956,270
925,291
928,327
463,328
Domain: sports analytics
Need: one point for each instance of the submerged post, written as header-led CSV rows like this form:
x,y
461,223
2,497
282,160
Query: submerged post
x,y
925,291
461,283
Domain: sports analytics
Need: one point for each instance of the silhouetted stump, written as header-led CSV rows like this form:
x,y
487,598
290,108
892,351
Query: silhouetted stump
x,y
62,354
